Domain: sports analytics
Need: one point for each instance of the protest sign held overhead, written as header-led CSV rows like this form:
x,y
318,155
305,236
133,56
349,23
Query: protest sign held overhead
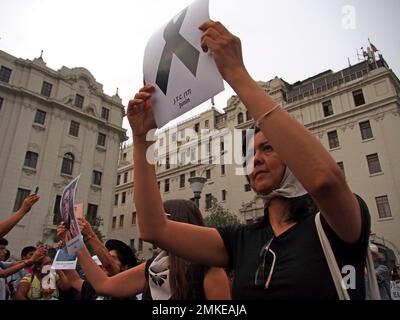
x,y
184,76
64,261
67,207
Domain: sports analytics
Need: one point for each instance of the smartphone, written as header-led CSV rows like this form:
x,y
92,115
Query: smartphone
x,y
35,190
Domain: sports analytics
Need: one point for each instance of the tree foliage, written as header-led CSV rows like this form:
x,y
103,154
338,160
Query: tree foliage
x,y
219,216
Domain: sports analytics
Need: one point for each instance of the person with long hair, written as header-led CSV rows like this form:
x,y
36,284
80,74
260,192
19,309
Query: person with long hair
x,y
280,258
166,276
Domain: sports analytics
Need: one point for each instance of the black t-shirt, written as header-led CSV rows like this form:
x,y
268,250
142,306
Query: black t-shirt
x,y
88,293
301,271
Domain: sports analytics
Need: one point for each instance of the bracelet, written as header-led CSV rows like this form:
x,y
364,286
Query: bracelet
x,y
258,122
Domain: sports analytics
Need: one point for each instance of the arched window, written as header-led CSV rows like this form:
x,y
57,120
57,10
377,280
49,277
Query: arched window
x,y
240,118
67,164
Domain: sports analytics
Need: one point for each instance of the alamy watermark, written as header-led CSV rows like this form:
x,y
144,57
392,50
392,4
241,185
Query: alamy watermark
x,y
205,146
349,18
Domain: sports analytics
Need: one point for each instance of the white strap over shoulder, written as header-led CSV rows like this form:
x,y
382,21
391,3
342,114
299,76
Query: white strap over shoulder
x,y
331,260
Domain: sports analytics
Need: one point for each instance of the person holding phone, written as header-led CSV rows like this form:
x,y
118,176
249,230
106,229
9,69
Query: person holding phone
x,y
8,224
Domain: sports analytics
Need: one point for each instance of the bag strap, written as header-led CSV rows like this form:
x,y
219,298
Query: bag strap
x,y
371,274
330,259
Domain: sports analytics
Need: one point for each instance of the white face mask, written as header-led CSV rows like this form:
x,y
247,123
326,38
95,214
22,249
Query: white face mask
x,y
159,277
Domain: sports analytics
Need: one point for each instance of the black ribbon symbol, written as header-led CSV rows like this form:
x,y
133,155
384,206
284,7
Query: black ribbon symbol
x,y
175,44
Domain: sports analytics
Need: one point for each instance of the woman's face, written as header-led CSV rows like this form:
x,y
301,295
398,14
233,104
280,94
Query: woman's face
x,y
268,168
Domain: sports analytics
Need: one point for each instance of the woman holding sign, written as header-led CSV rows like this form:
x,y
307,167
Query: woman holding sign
x,y
281,257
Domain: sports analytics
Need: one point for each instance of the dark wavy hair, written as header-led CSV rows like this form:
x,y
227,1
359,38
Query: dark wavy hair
x,y
300,207
183,273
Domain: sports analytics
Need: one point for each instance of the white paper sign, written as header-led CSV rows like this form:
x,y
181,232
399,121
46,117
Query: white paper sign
x,y
184,76
395,290
63,261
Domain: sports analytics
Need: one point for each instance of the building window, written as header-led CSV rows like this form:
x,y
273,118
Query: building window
x,y
182,181
358,97
208,174
341,166
328,109
223,169
125,177
161,142
123,200
92,213
158,184
114,222
56,211
1,102
121,221
374,165
167,165
182,157
174,137
244,146
366,131
79,101
124,155
248,116
197,127
31,159
223,195
208,200
101,139
383,207
21,195
74,128
192,174
207,124
132,244
40,117
222,144
46,89
166,185
96,178
134,217
105,113
333,140
240,118
67,164
116,200
247,188
193,154
5,74
118,179
140,248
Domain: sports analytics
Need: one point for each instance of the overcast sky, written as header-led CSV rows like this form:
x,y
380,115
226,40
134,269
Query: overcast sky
x,y
291,39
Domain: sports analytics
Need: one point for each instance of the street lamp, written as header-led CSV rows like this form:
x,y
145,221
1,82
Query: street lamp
x,y
197,184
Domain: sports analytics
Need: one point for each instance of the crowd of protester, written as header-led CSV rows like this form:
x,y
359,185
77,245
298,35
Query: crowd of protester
x,y
279,257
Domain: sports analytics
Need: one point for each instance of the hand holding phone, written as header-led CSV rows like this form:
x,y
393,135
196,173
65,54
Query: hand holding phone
x,y
35,189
